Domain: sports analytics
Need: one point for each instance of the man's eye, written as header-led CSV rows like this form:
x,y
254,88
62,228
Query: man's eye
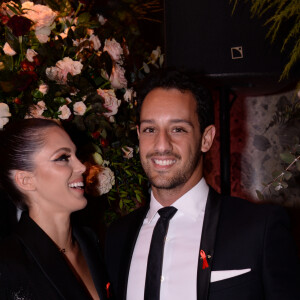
x,y
179,129
64,157
149,130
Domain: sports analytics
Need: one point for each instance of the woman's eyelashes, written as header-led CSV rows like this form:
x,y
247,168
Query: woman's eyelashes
x,y
63,157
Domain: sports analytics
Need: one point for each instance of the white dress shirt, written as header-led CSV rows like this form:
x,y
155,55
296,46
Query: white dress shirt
x,y
181,253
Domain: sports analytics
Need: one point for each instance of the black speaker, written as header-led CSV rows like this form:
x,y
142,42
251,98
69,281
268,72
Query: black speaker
x,y
232,49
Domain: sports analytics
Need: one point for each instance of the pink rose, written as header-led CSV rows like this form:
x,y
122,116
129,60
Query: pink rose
x,y
36,111
30,54
4,114
40,15
8,50
106,179
43,88
111,102
114,49
60,72
128,152
65,112
117,77
95,42
79,108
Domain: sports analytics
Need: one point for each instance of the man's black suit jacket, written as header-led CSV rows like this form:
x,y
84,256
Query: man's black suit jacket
x,y
32,268
237,235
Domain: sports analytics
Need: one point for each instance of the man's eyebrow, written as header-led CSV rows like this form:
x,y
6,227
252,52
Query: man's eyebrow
x,y
173,121
182,121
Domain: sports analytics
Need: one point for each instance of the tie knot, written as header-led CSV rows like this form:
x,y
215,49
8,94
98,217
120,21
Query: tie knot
x,y
167,212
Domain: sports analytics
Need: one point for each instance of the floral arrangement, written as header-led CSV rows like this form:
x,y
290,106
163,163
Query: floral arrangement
x,y
59,61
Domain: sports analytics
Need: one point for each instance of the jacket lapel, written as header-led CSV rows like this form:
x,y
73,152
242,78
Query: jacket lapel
x,y
133,232
90,247
50,261
208,237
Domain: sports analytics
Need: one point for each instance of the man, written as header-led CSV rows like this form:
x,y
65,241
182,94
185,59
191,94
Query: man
x,y
217,248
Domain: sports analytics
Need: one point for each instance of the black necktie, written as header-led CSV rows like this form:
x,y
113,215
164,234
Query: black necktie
x,y
155,257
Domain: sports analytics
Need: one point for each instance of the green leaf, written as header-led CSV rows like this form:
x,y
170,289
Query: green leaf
x,y
121,204
37,94
287,157
83,18
138,198
60,100
12,8
276,173
287,175
97,158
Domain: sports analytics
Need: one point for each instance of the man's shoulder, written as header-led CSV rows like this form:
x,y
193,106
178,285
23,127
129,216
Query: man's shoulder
x,y
132,219
242,208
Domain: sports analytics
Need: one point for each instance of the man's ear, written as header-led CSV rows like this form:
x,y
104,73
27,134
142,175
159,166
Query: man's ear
x,y
24,180
208,138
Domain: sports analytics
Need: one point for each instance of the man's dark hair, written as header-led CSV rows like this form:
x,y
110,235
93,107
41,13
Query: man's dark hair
x,y
182,81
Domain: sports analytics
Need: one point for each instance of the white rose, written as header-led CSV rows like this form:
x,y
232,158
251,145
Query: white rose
x,y
114,49
117,77
40,15
128,152
101,19
111,102
155,55
43,88
106,179
65,112
60,72
30,54
4,114
79,108
9,50
96,44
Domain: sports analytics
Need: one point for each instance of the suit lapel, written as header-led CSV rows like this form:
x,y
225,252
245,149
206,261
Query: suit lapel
x,y
90,248
210,224
50,261
133,232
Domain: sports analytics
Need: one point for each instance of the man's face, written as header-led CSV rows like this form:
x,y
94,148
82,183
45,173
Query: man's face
x,y
170,139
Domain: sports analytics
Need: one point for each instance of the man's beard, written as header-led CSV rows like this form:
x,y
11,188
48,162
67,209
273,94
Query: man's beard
x,y
177,179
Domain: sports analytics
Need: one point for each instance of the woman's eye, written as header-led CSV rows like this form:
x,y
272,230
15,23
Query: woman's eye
x,y
64,157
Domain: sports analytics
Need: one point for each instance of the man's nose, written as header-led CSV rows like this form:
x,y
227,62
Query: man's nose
x,y
163,141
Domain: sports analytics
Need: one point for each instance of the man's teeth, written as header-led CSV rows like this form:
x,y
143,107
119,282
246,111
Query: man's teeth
x,y
164,162
76,184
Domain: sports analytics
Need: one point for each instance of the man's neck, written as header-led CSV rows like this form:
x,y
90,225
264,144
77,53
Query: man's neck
x,y
167,197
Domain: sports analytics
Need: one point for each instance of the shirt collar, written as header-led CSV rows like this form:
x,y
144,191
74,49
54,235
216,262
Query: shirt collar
x,y
192,203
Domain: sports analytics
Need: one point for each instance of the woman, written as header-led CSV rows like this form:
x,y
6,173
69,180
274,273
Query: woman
x,y
46,258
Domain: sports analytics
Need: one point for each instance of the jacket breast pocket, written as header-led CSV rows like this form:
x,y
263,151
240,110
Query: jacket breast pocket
x,y
243,287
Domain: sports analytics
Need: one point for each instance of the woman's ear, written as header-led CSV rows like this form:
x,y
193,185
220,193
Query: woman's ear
x,y
208,138
24,180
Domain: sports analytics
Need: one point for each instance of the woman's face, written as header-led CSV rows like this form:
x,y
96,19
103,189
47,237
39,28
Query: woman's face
x,y
57,175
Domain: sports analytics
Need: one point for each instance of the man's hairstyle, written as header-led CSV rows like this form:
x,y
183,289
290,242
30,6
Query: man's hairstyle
x,y
182,81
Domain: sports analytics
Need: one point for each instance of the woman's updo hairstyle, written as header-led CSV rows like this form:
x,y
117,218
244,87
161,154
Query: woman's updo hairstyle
x,y
19,141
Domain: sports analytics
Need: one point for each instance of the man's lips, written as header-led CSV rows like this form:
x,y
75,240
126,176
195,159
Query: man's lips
x,y
164,162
